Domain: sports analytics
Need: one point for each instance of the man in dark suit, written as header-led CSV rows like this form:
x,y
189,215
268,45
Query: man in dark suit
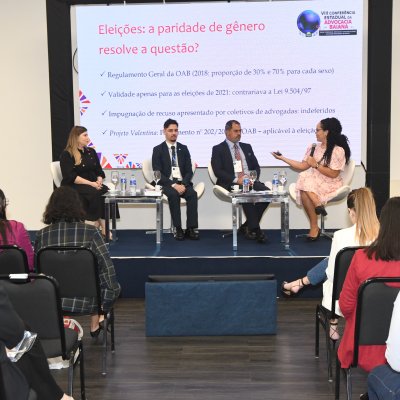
x,y
232,160
173,160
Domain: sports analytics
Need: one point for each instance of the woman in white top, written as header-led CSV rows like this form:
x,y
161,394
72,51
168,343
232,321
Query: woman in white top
x,y
362,211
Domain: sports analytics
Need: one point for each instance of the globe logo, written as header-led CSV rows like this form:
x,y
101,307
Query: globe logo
x,y
308,22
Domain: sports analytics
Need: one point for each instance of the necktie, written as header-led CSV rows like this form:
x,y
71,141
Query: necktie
x,y
238,157
173,156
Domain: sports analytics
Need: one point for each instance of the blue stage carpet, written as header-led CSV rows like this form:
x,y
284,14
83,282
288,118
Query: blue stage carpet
x,y
136,255
136,243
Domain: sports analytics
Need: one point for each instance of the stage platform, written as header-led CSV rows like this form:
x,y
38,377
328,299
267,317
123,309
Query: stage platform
x,y
136,255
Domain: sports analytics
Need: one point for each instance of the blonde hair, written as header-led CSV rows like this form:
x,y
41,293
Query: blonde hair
x,y
367,224
72,143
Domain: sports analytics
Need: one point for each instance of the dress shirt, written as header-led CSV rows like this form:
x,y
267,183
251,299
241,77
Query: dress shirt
x,y
393,341
242,156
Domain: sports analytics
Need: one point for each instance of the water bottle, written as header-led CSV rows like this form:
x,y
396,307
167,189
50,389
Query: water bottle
x,y
246,183
132,185
123,182
275,183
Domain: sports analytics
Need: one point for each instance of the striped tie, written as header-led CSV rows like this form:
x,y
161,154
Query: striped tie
x,y
238,157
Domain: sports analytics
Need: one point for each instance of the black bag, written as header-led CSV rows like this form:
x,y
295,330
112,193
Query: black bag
x,y
13,385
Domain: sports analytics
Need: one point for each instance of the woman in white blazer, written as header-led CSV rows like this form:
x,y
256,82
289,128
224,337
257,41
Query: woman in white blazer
x,y
362,212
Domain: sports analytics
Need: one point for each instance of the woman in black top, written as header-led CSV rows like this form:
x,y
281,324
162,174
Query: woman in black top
x,y
82,171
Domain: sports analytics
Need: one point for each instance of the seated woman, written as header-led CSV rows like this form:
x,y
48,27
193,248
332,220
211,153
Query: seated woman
x,y
362,211
33,364
82,171
14,232
65,217
321,167
384,380
381,258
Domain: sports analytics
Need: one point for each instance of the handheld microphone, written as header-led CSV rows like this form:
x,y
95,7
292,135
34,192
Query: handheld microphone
x,y
313,146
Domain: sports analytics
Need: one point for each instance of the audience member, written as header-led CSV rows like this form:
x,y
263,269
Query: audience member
x,y
230,161
14,232
362,211
32,364
381,258
65,217
173,160
384,380
321,167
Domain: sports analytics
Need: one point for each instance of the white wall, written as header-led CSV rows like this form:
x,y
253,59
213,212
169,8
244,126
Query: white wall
x,y
25,151
25,143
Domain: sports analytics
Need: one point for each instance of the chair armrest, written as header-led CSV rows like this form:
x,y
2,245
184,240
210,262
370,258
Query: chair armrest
x,y
222,193
199,189
340,194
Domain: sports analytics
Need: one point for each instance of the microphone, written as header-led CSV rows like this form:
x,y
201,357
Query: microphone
x,y
313,146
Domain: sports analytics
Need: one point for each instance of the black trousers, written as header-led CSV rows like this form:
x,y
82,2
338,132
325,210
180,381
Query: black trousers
x,y
33,365
174,201
254,212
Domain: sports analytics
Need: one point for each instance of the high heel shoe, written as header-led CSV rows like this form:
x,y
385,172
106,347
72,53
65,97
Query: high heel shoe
x,y
96,333
320,210
314,238
288,292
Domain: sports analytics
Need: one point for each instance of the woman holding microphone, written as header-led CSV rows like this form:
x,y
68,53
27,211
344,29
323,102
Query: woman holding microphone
x,y
320,169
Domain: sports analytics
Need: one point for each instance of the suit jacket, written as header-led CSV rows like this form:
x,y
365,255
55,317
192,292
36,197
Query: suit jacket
x,y
222,163
161,161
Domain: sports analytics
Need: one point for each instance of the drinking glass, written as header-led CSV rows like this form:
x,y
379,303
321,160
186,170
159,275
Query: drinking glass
x,y
253,178
157,176
115,179
282,180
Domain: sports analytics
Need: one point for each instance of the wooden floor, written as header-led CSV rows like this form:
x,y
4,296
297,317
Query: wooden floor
x,y
221,368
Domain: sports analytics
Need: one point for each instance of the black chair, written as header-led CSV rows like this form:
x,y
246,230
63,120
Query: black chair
x,y
13,260
375,301
323,315
37,301
76,271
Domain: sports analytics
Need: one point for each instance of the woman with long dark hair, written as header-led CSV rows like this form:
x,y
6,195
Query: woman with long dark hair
x,y
320,171
381,258
14,232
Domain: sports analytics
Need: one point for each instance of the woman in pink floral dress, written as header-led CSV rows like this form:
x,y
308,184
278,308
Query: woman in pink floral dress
x,y
320,171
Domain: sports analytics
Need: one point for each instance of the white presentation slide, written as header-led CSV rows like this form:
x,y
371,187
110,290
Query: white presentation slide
x,y
276,67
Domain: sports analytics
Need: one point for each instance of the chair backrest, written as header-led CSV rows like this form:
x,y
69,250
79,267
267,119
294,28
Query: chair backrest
x,y
348,172
374,310
13,260
56,173
36,300
342,264
148,173
211,174
75,269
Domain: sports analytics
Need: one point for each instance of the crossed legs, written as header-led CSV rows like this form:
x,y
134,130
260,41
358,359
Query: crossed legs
x,y
309,201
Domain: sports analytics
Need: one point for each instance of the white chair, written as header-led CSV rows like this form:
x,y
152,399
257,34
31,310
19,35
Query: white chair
x,y
340,194
222,194
56,173
148,174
